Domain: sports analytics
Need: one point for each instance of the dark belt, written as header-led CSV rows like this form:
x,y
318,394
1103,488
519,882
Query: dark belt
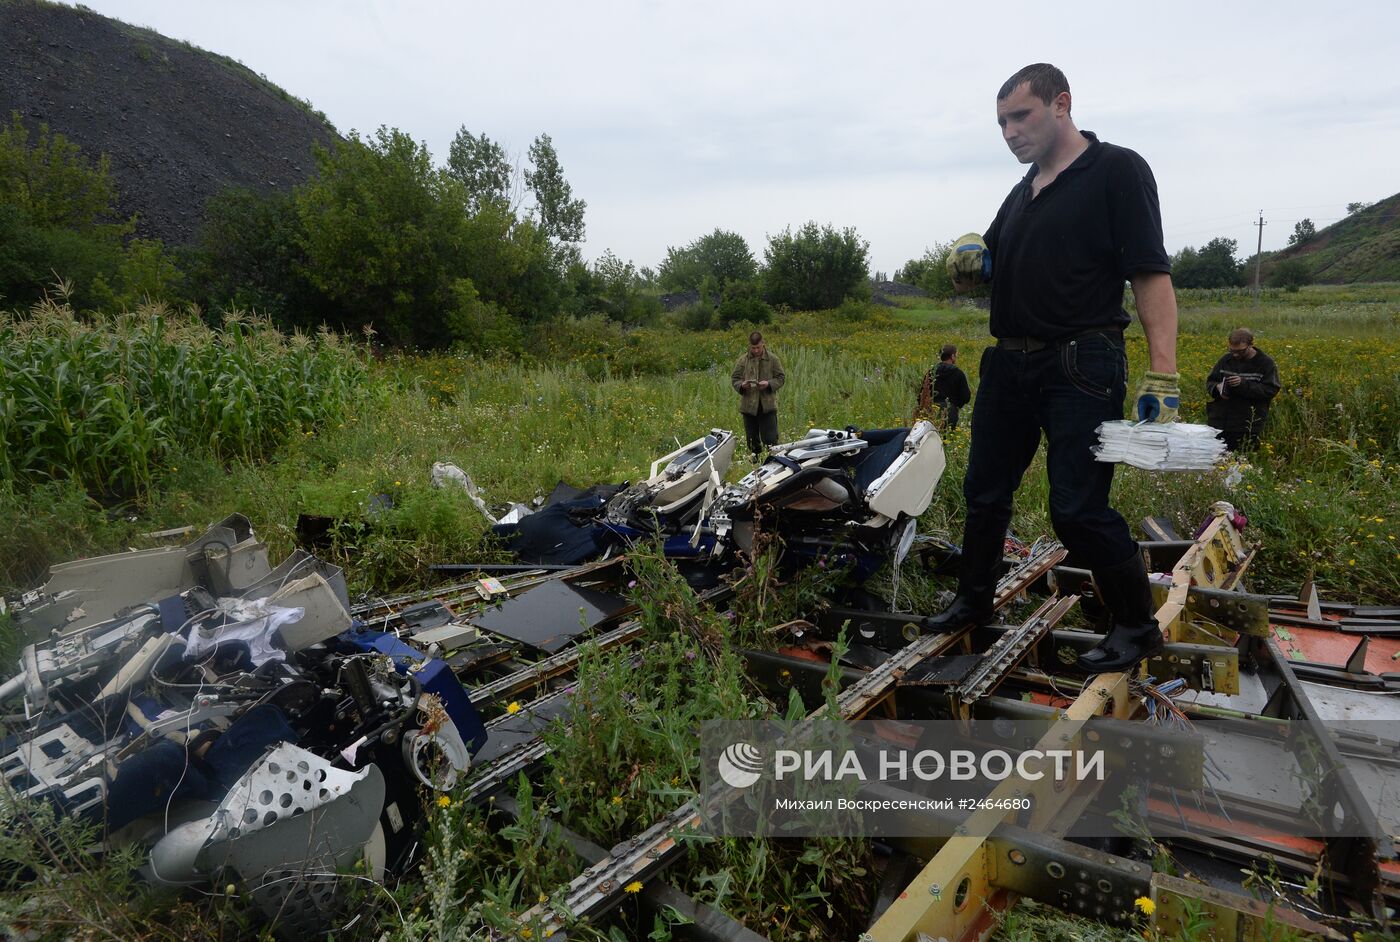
x,y
1034,344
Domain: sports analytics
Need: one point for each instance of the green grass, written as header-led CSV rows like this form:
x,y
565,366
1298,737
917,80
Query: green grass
x,y
597,404
1029,922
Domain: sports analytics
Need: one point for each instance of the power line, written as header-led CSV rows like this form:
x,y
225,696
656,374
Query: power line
x,y
1373,209
1259,257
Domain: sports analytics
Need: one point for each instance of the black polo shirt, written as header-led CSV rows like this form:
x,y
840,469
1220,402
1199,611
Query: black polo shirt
x,y
1059,261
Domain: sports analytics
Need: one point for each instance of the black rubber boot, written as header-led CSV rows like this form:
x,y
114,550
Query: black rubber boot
x,y
1134,634
964,610
978,568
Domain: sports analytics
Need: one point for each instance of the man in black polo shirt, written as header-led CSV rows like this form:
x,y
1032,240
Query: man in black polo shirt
x,y
1084,220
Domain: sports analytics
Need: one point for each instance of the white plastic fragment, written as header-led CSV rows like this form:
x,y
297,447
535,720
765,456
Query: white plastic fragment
x,y
445,473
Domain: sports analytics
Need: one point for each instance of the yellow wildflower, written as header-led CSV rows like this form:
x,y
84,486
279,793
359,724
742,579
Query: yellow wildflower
x,y
1145,905
513,706
634,887
617,799
444,801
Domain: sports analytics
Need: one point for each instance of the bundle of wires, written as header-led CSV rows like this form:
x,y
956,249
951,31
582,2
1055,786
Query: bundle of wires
x,y
1162,710
1159,699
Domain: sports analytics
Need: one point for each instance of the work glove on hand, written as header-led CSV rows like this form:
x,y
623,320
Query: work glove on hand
x,y
1158,397
970,261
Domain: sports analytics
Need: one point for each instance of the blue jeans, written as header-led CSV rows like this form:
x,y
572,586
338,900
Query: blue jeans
x,y
1064,390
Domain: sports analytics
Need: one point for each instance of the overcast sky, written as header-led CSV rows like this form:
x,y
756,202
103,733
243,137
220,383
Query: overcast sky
x,y
673,118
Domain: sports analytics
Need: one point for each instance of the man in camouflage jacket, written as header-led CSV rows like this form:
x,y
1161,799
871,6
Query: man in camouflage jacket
x,y
757,377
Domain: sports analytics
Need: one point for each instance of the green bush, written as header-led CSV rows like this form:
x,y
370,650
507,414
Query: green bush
x,y
36,260
929,271
48,523
148,273
592,341
379,239
53,182
249,258
1212,266
854,310
697,316
741,303
1290,274
623,292
59,232
482,327
816,267
376,229
612,288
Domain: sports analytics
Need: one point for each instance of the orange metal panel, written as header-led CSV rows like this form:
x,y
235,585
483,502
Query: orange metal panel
x,y
1332,647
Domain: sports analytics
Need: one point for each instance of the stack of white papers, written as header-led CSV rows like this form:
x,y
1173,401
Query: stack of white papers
x,y
1171,446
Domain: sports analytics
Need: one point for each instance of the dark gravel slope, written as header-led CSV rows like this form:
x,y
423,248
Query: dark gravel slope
x,y
178,123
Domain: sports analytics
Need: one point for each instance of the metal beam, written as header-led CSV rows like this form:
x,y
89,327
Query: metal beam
x,y
946,899
1003,656
1228,917
1101,886
1357,857
701,922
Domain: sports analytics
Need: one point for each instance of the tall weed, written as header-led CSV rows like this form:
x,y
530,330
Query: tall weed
x,y
105,402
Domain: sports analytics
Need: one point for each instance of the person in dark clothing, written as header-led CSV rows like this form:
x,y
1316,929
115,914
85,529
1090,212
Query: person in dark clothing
x,y
757,377
950,389
1083,221
1241,386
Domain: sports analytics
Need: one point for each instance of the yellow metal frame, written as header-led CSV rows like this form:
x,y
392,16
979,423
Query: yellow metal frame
x,y
1215,561
946,898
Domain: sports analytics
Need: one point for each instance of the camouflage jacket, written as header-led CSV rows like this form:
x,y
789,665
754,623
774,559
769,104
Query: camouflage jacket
x,y
754,369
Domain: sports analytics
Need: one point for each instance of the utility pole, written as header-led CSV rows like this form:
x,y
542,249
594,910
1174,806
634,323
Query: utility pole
x,y
1258,256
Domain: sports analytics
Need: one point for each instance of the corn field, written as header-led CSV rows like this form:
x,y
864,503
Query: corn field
x,y
106,402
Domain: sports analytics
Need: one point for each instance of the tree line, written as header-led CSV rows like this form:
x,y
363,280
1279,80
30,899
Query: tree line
x,y
471,253
1214,265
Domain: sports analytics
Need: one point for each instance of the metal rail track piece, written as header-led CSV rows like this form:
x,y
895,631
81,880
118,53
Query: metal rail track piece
x,y
1010,648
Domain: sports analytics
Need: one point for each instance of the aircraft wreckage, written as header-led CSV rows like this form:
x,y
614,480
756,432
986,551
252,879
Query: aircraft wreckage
x,y
240,721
